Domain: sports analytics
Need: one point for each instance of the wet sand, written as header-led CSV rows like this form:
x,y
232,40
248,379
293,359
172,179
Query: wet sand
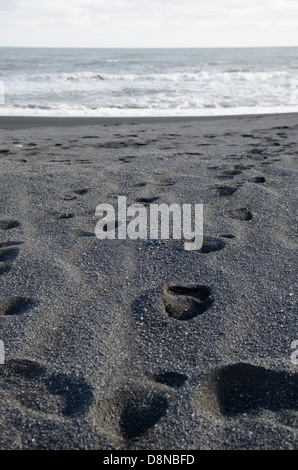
x,y
141,344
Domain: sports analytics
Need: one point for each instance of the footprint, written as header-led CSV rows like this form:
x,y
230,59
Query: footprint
x,y
64,216
245,388
139,185
171,379
60,161
78,233
15,306
228,173
227,235
241,213
4,268
145,200
167,182
256,179
8,254
70,195
211,244
225,190
4,244
241,167
133,412
8,224
83,161
256,152
70,215
184,303
127,159
75,394
32,386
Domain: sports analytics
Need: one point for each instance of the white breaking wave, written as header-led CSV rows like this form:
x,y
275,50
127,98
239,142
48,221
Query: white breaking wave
x,y
68,111
149,83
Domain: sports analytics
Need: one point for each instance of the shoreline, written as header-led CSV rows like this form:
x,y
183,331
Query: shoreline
x,y
29,122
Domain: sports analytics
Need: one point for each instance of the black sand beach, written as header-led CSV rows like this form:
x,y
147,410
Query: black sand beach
x,y
140,344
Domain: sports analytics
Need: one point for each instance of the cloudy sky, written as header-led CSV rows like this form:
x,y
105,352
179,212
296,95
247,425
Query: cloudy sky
x,y
148,23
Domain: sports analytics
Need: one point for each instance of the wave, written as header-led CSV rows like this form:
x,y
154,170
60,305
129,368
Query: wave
x,y
65,110
196,76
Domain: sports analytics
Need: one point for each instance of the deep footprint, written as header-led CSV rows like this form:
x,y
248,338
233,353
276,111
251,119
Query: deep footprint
x,y
15,306
256,179
32,386
184,303
211,244
8,224
245,388
145,200
133,412
4,268
8,254
241,213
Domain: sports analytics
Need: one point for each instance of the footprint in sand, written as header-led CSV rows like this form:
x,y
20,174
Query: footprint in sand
x,y
225,190
70,215
241,213
8,254
257,154
256,179
70,195
211,244
184,303
145,200
244,388
78,233
165,182
32,386
171,378
67,215
4,268
15,306
241,167
127,159
8,224
133,412
139,185
228,174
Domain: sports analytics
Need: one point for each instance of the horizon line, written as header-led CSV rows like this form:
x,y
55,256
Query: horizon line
x,y
146,47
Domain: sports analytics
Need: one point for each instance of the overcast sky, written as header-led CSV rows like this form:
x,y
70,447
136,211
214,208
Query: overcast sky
x,y
148,23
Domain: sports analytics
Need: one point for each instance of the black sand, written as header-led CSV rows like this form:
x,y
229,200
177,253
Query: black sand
x,y
140,344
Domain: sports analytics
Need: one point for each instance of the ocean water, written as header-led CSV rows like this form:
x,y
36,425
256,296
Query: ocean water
x,y
147,82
